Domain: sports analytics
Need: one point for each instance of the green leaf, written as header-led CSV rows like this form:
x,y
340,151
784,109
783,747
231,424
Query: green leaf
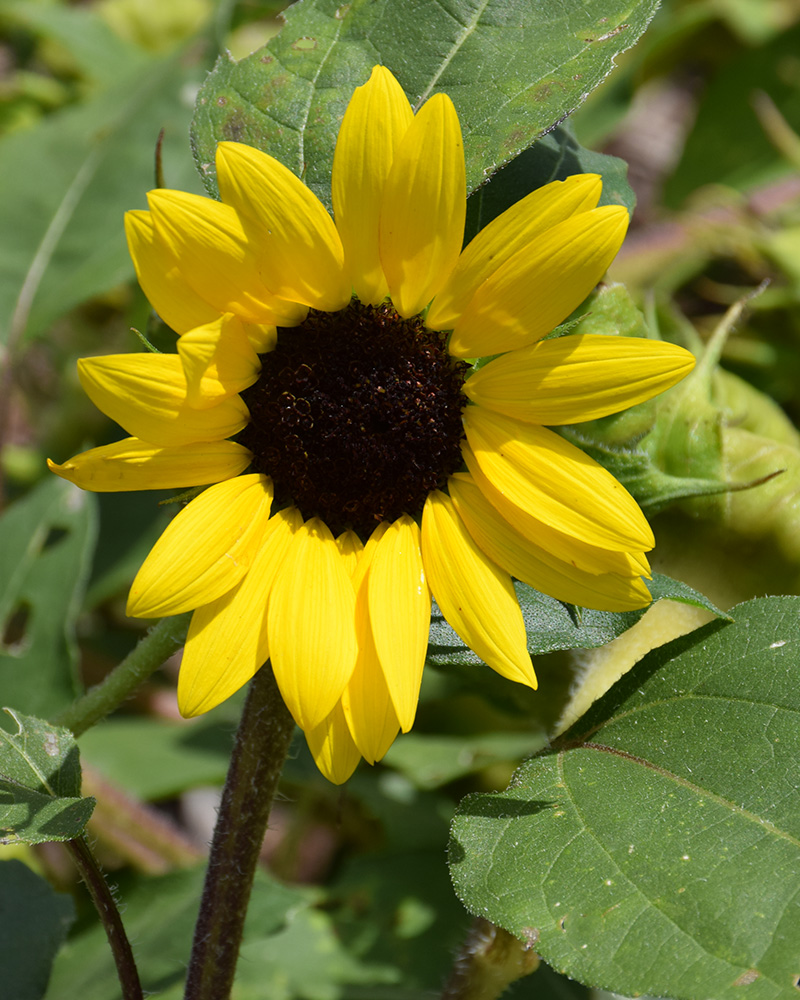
x,y
47,540
554,157
552,625
287,943
34,921
154,759
67,183
656,847
40,784
728,143
513,69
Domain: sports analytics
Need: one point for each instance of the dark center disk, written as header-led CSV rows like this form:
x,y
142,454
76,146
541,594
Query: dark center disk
x,y
356,416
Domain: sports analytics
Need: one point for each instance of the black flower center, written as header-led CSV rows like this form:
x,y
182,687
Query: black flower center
x,y
356,416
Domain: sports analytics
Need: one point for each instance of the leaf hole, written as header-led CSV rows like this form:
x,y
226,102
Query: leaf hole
x,y
15,639
796,982
561,923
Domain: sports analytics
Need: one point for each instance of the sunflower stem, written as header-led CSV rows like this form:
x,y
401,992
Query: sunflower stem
x,y
103,900
259,752
158,645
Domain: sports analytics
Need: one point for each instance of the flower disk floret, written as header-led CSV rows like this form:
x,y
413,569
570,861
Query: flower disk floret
x,y
332,580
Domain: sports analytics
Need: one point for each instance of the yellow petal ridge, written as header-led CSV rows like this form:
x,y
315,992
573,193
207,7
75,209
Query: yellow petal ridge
x,y
312,625
297,247
366,700
132,464
157,269
218,361
376,119
205,550
147,395
400,614
541,285
578,377
546,476
424,207
535,566
475,596
509,233
228,639
216,258
332,747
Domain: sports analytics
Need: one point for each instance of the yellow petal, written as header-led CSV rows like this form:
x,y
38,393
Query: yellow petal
x,y
228,640
262,338
541,285
218,361
298,249
215,257
535,566
205,550
510,232
569,548
132,464
475,596
548,477
366,700
576,378
332,747
312,625
159,275
350,547
375,122
146,394
400,614
424,207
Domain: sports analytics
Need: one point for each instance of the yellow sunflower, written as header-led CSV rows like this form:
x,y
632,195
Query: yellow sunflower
x,y
359,462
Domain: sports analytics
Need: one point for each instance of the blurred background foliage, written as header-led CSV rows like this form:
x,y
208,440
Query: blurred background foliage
x,y
706,110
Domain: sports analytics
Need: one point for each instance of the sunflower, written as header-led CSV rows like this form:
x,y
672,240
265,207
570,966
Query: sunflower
x,y
359,461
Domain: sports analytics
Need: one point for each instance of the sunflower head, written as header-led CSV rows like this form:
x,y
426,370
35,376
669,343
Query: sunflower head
x,y
356,462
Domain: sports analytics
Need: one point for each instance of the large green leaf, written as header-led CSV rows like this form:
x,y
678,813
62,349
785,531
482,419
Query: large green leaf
x,y
513,69
552,625
68,181
40,784
34,921
47,540
655,848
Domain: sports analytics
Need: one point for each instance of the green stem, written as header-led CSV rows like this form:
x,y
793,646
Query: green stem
x,y
109,915
158,645
262,743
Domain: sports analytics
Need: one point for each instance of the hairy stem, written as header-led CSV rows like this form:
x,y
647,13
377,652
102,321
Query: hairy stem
x,y
262,743
109,915
158,645
489,960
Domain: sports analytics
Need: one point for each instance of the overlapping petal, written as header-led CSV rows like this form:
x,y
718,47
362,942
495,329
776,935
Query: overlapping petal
x,y
157,269
132,464
398,592
540,286
361,163
228,639
576,378
476,597
534,565
332,746
424,207
311,622
293,239
538,471
512,231
147,395
218,361
205,550
216,259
